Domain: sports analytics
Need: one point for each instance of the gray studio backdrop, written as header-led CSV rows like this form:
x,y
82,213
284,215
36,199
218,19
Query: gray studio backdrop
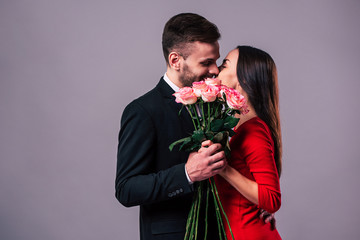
x,y
68,68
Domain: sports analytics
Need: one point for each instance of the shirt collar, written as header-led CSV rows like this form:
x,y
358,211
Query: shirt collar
x,y
170,83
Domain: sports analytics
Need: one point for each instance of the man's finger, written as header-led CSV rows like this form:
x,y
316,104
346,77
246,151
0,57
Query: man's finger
x,y
206,143
212,149
219,156
219,165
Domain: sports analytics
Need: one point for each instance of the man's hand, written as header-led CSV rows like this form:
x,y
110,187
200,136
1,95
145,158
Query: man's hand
x,y
205,163
268,218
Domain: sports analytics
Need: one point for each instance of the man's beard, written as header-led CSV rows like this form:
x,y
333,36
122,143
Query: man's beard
x,y
188,77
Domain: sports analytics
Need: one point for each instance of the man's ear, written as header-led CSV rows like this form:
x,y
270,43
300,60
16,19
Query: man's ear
x,y
175,60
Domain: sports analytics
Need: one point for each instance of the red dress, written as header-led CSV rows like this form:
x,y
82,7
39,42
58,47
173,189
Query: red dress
x,y
252,154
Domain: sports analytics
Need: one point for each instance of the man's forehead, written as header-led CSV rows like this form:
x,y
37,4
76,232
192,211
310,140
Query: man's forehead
x,y
206,50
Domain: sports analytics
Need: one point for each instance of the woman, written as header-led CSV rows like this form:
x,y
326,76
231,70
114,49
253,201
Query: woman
x,y
250,182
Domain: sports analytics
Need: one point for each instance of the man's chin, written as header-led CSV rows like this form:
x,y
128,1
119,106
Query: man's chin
x,y
189,82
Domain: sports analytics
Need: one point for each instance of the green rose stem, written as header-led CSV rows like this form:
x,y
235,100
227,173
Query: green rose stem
x,y
203,115
188,222
193,218
218,215
196,113
192,229
206,208
209,114
216,110
192,118
198,213
218,201
193,234
193,108
228,111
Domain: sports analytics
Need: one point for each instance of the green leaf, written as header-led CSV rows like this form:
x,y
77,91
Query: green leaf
x,y
218,137
187,139
230,122
181,109
194,147
222,138
231,132
187,144
209,135
198,136
233,111
217,125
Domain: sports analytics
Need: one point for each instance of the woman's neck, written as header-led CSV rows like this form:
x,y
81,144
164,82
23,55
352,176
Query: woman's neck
x,y
245,117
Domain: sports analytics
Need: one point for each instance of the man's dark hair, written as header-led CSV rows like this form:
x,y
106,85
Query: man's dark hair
x,y
186,28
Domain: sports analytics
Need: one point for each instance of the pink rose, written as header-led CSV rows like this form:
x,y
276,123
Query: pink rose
x,y
223,90
185,96
213,81
198,87
210,93
235,100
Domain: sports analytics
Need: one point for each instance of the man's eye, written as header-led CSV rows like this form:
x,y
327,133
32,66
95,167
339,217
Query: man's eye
x,y
206,64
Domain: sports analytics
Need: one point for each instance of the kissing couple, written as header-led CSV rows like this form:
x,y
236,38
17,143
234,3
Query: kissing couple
x,y
162,182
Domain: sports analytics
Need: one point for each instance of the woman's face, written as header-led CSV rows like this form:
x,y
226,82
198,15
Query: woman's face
x,y
227,69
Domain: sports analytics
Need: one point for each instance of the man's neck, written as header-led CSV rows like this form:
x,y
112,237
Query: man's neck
x,y
170,83
173,77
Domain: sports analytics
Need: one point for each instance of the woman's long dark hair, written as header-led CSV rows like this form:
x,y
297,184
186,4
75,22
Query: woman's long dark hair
x,y
257,75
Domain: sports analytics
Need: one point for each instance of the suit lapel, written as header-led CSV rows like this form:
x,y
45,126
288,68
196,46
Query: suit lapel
x,y
184,117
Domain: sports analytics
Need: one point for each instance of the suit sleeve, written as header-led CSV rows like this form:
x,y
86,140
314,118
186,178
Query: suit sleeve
x,y
136,181
260,159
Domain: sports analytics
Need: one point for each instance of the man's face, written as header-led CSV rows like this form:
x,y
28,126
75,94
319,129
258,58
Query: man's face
x,y
200,64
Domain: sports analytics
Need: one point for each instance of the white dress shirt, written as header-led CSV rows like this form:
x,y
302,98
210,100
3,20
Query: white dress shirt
x,y
176,88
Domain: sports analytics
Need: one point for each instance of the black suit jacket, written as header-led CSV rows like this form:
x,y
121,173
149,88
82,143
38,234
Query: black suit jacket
x,y
148,174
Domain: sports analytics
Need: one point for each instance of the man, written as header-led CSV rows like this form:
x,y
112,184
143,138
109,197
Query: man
x,y
148,174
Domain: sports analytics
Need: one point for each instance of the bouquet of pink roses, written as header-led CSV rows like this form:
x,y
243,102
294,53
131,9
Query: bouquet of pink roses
x,y
212,107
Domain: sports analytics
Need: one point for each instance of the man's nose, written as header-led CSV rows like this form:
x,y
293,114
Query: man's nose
x,y
214,70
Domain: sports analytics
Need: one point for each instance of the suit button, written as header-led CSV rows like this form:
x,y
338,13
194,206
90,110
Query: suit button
x,y
181,190
177,191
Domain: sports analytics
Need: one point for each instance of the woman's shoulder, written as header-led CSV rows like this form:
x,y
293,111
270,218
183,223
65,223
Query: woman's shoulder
x,y
255,129
253,124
